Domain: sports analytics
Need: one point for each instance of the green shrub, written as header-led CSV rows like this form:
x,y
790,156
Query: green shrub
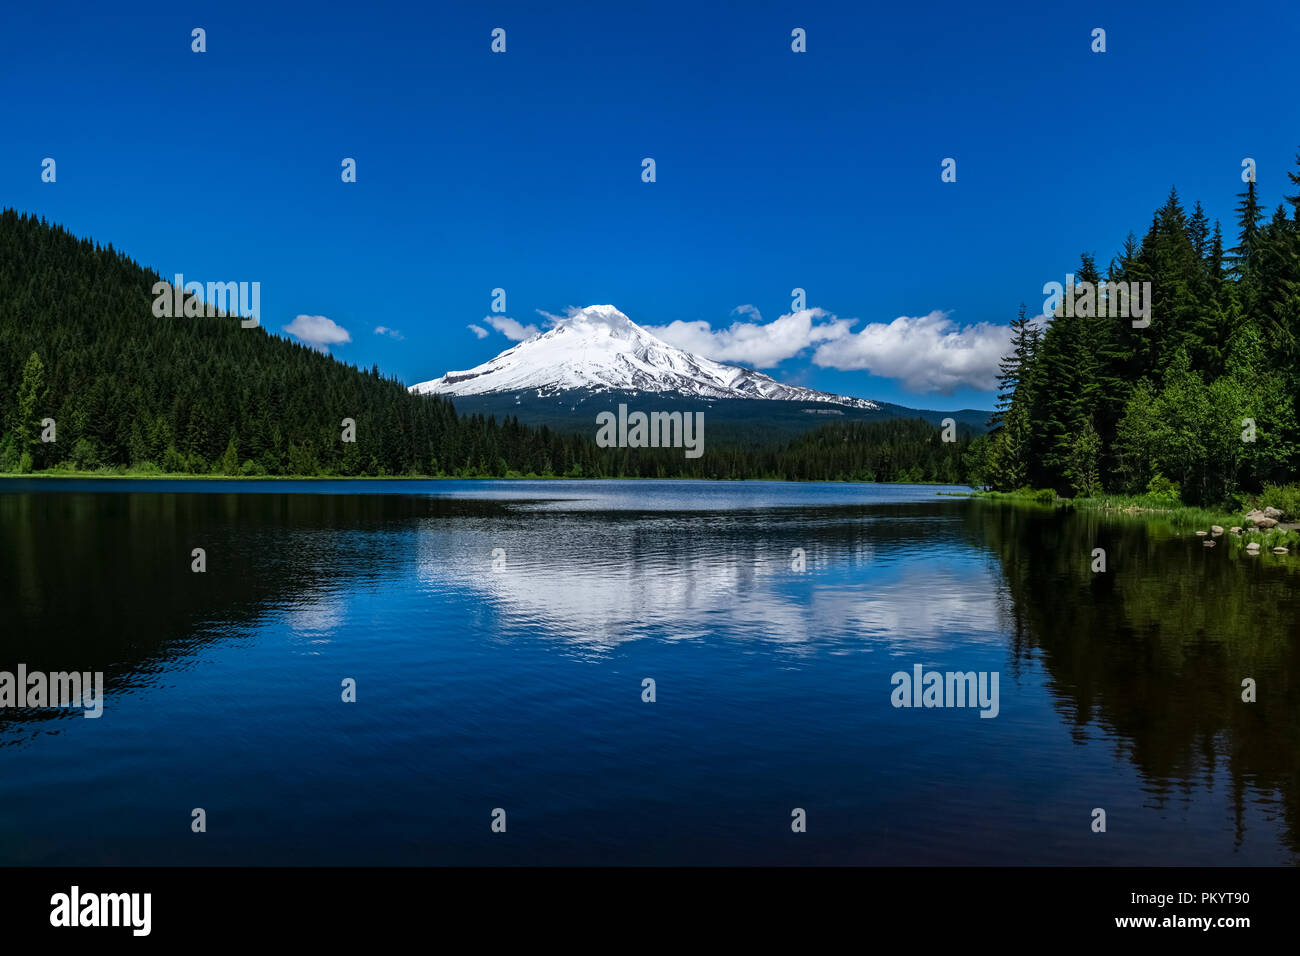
x,y
1285,498
85,456
1160,489
1041,496
173,462
9,455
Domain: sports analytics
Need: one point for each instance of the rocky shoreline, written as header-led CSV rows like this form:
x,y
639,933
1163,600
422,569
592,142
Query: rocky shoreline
x,y
1268,519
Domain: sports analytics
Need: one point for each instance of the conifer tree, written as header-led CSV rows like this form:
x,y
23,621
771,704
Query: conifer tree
x,y
1294,200
1198,230
27,419
1011,368
1248,216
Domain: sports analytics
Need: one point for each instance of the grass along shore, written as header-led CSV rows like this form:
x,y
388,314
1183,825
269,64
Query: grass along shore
x,y
1176,518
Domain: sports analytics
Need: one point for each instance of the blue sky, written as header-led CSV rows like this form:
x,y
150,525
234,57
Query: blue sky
x,y
522,170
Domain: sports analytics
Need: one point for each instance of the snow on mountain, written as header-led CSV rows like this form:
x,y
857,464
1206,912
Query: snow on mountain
x,y
600,349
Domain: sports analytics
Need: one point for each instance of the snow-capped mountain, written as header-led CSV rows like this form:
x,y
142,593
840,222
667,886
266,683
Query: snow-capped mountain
x,y
599,349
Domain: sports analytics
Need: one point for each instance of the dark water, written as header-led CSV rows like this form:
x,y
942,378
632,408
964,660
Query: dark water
x,y
521,687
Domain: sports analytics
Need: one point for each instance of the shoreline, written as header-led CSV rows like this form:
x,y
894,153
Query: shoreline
x,y
148,476
1177,517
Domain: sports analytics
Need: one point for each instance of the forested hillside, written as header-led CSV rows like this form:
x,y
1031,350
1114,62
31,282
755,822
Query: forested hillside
x,y
79,344
1205,397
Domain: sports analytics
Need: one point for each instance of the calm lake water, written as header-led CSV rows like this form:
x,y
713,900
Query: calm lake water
x,y
512,678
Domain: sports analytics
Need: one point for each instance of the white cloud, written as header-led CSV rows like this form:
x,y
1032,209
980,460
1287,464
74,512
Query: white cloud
x,y
557,319
748,310
391,333
510,328
478,330
318,331
755,344
928,353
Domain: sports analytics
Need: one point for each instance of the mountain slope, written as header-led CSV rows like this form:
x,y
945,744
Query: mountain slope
x,y
203,395
599,349
751,422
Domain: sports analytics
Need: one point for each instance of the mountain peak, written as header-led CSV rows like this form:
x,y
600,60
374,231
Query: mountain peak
x,y
599,349
600,320
605,315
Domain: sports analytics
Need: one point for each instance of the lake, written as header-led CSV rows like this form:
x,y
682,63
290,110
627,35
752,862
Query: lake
x,y
500,635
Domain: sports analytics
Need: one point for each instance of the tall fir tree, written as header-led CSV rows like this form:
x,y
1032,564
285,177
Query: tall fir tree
x,y
1294,200
1011,368
1248,217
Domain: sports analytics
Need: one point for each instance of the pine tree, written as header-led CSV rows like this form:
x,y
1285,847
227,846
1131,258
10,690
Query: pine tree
x,y
1008,453
31,393
1248,216
1085,450
1214,262
1011,368
230,458
1295,200
1198,230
